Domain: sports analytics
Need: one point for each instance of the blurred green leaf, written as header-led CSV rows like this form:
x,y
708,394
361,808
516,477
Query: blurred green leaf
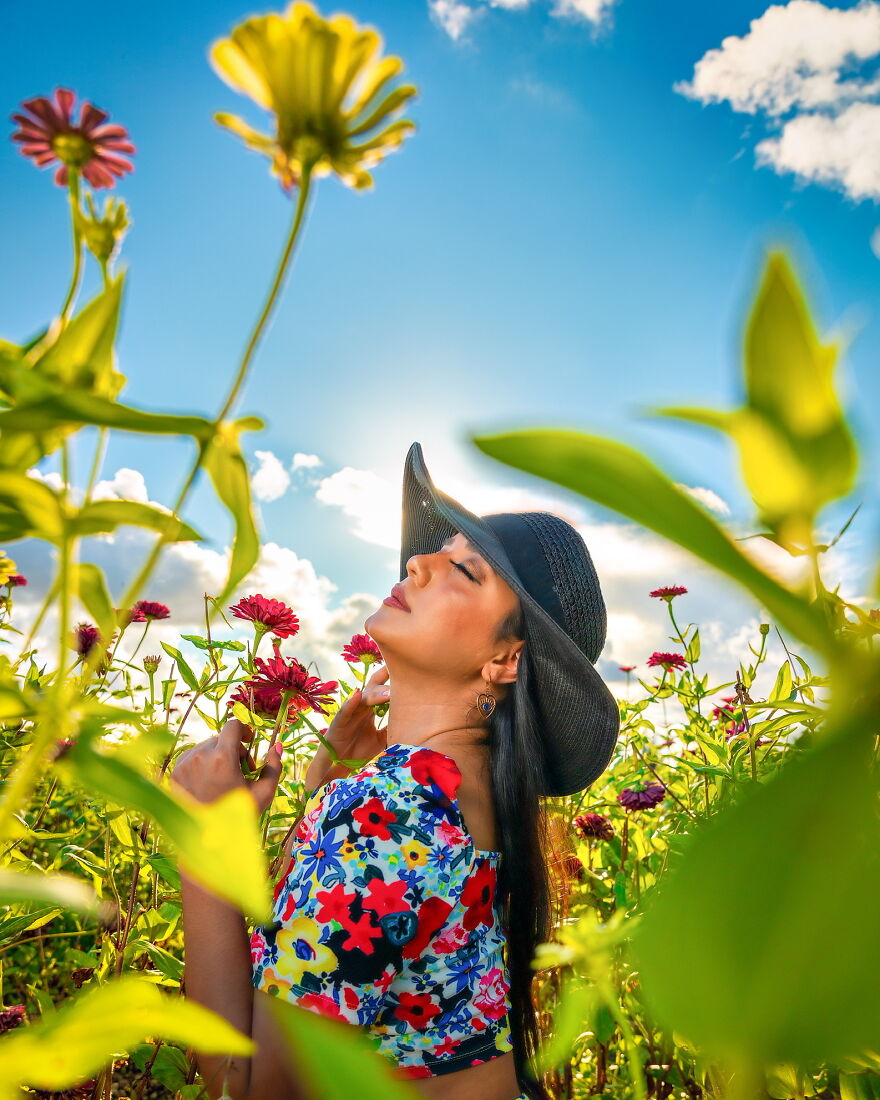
x,y
337,1059
92,589
81,358
99,516
228,470
103,1021
622,479
577,1001
218,843
64,890
74,409
775,980
30,508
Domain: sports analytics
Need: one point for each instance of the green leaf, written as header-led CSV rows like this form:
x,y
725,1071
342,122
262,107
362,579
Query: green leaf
x,y
337,1061
29,508
576,1003
63,890
81,358
183,668
99,516
203,643
74,409
102,1021
773,983
218,843
228,471
622,479
92,589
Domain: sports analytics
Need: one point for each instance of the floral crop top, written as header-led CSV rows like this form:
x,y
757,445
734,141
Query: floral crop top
x,y
386,917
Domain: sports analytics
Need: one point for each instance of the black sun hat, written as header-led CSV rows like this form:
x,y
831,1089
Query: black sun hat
x,y
546,562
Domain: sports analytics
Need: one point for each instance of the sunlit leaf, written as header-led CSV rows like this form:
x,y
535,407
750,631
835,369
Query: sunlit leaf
x,y
776,981
63,890
38,507
108,1020
92,589
336,1059
622,479
99,516
228,470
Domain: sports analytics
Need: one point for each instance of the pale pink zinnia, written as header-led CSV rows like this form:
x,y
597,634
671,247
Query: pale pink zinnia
x,y
48,133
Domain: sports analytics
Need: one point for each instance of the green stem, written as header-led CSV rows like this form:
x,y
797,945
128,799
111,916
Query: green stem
x,y
147,568
73,185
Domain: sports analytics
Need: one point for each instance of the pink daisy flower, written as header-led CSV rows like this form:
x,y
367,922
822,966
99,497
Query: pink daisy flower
x,y
48,133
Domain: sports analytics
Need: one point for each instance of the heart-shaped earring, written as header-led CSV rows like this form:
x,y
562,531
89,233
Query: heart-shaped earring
x,y
486,703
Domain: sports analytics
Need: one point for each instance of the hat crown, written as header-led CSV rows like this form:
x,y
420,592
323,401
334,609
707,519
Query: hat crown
x,y
574,580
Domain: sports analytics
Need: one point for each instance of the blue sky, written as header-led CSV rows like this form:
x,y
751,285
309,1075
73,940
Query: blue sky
x,y
566,240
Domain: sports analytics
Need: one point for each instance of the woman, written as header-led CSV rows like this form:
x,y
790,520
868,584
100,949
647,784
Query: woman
x,y
416,889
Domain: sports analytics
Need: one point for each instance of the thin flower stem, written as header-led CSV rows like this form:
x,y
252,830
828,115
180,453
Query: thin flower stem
x,y
73,191
147,568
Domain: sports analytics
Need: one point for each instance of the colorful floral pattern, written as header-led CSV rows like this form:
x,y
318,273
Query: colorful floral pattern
x,y
385,916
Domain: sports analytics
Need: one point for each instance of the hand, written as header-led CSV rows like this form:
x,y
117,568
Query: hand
x,y
213,767
353,733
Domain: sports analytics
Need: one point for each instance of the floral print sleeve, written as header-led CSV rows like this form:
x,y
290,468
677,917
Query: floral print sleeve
x,y
385,917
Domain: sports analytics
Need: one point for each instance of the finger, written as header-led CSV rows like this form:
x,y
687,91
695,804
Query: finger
x,y
264,787
233,734
379,676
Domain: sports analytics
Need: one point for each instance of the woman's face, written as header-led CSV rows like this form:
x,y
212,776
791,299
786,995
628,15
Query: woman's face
x,y
456,601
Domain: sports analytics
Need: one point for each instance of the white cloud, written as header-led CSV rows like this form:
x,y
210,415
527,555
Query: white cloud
x,y
802,59
455,17
452,16
304,461
707,497
126,484
841,150
270,480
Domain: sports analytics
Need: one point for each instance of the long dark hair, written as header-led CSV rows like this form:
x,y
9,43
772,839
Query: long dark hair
x,y
525,885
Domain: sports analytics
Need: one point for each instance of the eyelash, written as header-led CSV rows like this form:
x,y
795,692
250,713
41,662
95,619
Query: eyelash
x,y
458,565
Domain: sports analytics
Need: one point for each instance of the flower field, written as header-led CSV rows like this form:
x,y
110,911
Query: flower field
x,y
718,887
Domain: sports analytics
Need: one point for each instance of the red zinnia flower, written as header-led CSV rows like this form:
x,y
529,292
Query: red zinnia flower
x,y
277,676
132,615
85,638
644,799
417,1009
151,610
594,825
668,660
374,819
478,895
91,148
267,615
627,668
669,592
362,648
15,580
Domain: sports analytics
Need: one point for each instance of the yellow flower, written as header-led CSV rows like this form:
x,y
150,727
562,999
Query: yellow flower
x,y
325,84
7,567
415,854
299,951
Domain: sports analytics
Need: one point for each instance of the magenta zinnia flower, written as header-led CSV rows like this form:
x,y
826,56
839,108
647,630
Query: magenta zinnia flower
x,y
362,648
278,675
151,610
669,592
11,1016
85,638
668,660
644,799
594,825
627,668
50,134
267,615
133,615
15,580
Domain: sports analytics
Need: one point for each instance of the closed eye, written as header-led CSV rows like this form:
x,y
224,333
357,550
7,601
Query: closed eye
x,y
466,572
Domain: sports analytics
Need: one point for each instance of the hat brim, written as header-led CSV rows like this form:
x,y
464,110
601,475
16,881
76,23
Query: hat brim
x,y
580,716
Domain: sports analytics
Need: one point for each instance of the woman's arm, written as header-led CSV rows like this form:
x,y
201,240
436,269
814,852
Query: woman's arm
x,y
218,975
